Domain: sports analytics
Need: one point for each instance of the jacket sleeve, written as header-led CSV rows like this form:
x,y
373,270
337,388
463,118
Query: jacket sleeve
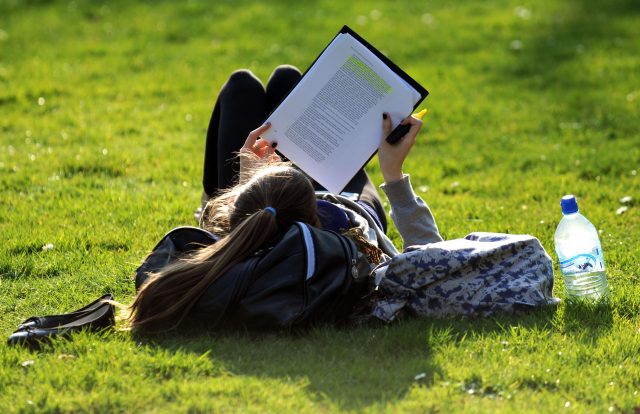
x,y
410,214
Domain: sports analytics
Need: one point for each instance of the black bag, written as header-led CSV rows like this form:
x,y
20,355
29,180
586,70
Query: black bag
x,y
308,276
36,330
178,242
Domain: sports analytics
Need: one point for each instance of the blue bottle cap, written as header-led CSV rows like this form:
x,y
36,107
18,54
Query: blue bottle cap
x,y
569,204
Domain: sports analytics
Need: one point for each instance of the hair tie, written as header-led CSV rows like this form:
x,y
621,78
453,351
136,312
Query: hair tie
x,y
270,210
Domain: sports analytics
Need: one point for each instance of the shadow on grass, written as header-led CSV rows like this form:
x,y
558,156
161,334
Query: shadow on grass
x,y
557,66
585,25
587,320
578,29
352,368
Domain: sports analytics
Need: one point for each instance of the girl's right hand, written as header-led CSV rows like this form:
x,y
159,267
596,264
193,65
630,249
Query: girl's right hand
x,y
391,156
256,153
258,146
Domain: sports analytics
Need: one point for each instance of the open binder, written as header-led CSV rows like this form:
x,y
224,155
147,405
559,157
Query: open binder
x,y
330,124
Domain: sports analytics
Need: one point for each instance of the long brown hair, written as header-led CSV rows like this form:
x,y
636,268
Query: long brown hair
x,y
241,216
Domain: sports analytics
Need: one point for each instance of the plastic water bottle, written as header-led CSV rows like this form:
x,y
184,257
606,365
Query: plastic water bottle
x,y
580,254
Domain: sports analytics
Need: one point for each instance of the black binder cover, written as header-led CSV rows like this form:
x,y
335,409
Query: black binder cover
x,y
346,29
421,90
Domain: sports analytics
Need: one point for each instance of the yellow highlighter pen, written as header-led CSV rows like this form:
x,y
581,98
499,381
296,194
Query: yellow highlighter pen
x,y
402,129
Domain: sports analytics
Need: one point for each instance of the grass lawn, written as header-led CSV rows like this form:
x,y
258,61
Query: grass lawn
x,y
103,112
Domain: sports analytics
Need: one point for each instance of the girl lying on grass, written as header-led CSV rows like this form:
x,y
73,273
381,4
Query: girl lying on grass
x,y
250,200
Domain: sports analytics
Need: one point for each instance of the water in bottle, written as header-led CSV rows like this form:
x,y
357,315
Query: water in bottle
x,y
580,254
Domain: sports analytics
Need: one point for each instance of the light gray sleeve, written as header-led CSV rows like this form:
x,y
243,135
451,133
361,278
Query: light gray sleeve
x,y
410,214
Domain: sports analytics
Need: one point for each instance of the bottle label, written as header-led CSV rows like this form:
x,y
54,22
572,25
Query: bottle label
x,y
582,263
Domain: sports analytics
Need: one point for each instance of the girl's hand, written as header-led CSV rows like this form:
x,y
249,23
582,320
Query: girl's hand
x,y
255,153
391,157
258,146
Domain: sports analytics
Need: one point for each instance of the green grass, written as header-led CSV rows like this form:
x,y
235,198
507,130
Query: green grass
x,y
529,101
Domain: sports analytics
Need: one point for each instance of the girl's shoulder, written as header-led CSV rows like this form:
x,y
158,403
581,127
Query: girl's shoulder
x,y
332,216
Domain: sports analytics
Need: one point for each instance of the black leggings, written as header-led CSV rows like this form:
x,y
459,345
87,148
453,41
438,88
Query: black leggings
x,y
243,105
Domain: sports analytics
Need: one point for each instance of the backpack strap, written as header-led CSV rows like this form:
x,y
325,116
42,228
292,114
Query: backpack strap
x,y
309,250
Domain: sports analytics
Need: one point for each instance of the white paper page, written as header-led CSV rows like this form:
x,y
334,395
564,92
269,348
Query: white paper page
x,y
331,123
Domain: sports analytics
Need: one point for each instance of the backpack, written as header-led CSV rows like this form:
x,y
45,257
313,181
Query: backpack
x,y
308,276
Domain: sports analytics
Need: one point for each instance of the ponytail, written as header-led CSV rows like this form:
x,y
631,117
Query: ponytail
x,y
269,203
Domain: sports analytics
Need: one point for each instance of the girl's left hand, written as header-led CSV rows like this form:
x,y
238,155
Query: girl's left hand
x,y
258,146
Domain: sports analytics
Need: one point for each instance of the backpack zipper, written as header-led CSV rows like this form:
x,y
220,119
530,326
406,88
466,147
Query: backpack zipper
x,y
354,263
350,249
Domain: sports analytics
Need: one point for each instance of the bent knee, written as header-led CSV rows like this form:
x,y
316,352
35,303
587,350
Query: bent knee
x,y
286,73
244,80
